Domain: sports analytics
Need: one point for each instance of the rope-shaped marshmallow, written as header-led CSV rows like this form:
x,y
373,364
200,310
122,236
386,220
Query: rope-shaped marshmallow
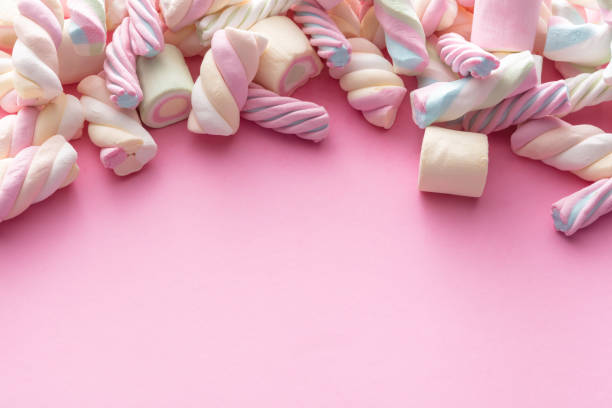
x,y
466,58
39,34
588,90
324,34
221,90
242,16
126,145
373,88
584,150
285,114
583,208
435,15
584,44
87,27
120,69
446,101
8,96
34,174
146,35
436,70
178,14
404,35
551,98
32,127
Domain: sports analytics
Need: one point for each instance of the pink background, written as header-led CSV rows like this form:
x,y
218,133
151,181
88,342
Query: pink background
x,y
265,271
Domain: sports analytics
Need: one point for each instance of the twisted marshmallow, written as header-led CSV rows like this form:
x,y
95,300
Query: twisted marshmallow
x,y
34,174
404,35
146,35
570,70
87,27
220,91
242,16
588,90
39,34
584,150
584,44
462,24
120,69
285,114
445,101
179,14
373,88
32,127
551,98
126,145
583,208
436,70
8,96
466,58
324,35
435,15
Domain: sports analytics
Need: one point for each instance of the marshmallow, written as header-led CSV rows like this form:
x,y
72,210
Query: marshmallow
x,y
166,85
605,6
584,44
346,20
466,58
39,34
404,35
146,35
32,126
179,14
584,150
8,96
285,114
371,30
466,3
289,61
116,11
324,35
186,39
505,25
542,30
453,162
73,67
372,86
87,26
8,11
435,15
220,91
584,207
126,145
569,70
588,90
242,15
360,7
462,24
550,98
34,174
120,69
436,70
445,101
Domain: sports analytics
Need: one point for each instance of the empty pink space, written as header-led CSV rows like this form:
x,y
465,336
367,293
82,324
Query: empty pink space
x,y
265,271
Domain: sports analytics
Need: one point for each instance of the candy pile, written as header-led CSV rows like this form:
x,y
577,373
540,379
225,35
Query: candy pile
x,y
478,65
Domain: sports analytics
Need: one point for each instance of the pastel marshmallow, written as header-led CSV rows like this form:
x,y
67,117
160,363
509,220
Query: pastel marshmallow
x,y
187,40
462,24
435,15
453,162
8,96
289,61
72,66
584,44
116,11
166,85
371,29
345,18
505,25
8,11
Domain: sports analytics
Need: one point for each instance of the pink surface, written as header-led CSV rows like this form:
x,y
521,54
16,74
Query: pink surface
x,y
265,271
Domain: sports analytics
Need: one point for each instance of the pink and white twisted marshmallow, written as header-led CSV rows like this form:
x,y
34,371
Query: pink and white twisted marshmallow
x,y
126,145
221,90
32,127
466,58
324,34
8,96
588,90
87,27
550,98
435,15
146,34
34,174
178,14
373,88
584,150
285,114
584,207
39,34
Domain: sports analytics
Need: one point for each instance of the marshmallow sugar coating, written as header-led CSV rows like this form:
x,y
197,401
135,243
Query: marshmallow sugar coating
x,y
453,162
166,86
289,60
505,25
